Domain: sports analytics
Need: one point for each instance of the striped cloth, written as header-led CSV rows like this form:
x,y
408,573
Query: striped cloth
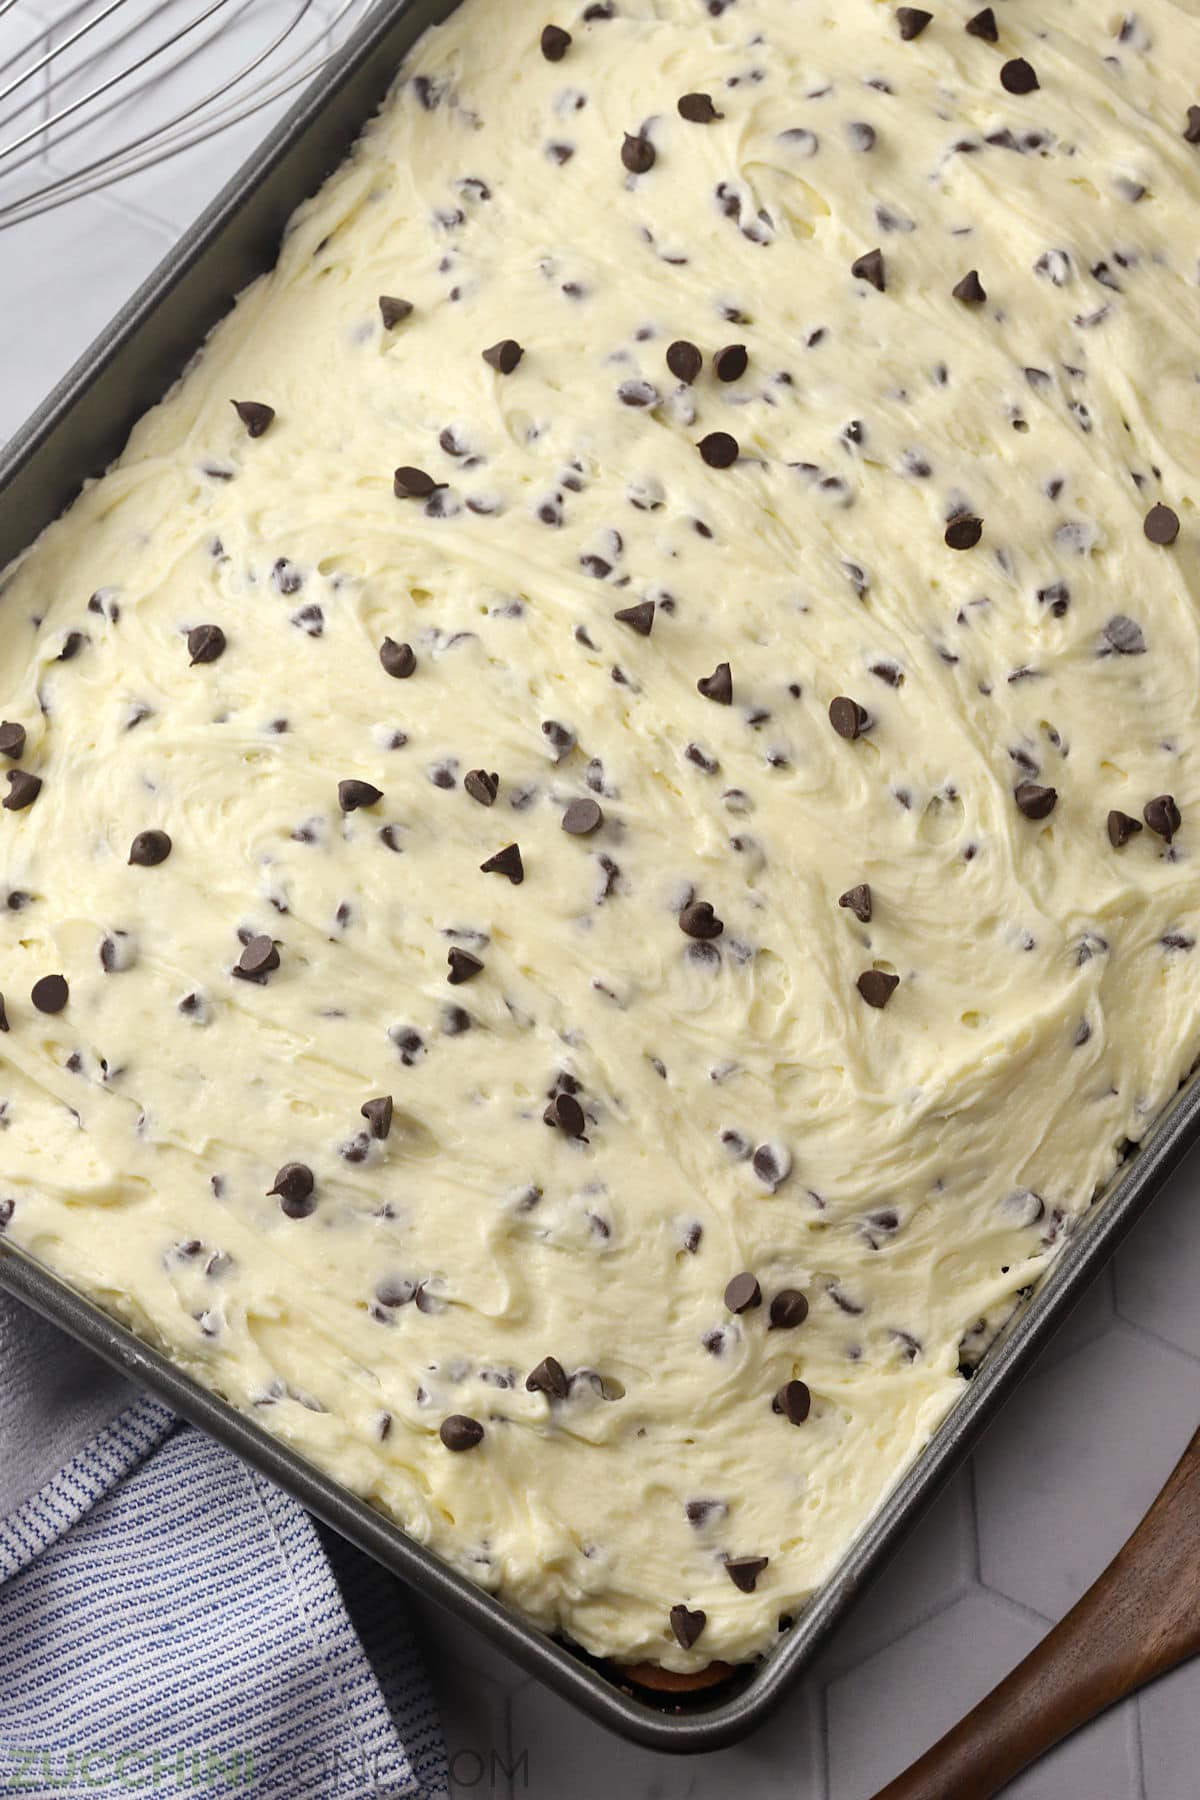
x,y
173,1624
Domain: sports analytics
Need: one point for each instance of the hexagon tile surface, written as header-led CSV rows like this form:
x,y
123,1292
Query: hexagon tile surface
x,y
1060,1480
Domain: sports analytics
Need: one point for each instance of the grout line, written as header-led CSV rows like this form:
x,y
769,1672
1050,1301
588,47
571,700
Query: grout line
x,y
1021,1607
1139,1752
976,1533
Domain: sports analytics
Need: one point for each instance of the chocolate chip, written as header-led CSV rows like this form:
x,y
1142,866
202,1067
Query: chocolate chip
x,y
12,740
548,1378
459,1432
640,617
743,1293
1191,130
254,415
378,1114
3,1015
149,848
698,920
847,717
393,311
687,1625
964,531
565,1112
698,109
414,484
718,686
876,987
1125,635
744,1571
205,643
259,959
730,363
398,660
506,862
719,450
23,790
1121,828
555,42
50,994
970,290
912,21
1161,525
294,1186
870,268
772,1164
789,1308
582,817
637,153
560,738
794,1401
481,786
1018,77
858,901
983,25
504,356
353,794
1162,816
463,966
1034,801
684,360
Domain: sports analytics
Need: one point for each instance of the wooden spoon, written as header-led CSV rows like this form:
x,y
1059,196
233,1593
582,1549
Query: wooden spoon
x,y
1141,1618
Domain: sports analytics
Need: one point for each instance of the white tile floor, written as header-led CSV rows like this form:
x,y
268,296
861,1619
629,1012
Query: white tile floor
x,y
1060,1480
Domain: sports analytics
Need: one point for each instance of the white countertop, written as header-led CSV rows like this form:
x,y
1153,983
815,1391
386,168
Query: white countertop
x,y
1062,1476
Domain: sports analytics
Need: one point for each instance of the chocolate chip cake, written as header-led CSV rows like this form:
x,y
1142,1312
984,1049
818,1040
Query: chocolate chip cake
x,y
597,845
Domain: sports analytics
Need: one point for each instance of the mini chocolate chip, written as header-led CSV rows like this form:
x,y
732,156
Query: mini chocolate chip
x,y
353,794
637,153
687,1625
970,290
912,21
730,364
23,790
684,360
582,817
555,42
743,1293
983,25
858,901
1161,525
506,862
205,643
259,958
1162,816
481,786
870,267
1125,635
463,966
1034,801
698,920
378,1114
964,531
1018,76
719,450
744,1571
414,484
565,1112
12,740
876,987
397,659
1191,130
718,686
393,311
789,1308
504,356
847,717
459,1432
698,109
640,617
254,415
149,848
50,994
794,1401
294,1186
548,1378
1121,828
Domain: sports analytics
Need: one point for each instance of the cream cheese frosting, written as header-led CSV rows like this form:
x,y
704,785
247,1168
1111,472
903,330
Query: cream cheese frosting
x,y
734,473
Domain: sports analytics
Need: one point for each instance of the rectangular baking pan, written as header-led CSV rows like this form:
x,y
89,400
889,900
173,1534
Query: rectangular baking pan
x,y
75,435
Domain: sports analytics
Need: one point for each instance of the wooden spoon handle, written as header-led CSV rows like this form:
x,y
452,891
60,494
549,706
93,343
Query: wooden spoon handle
x,y
1140,1619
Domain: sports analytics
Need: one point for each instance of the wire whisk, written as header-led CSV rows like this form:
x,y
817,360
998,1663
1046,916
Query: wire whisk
x,y
91,99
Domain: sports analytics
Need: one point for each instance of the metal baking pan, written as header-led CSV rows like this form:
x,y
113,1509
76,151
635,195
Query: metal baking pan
x,y
75,435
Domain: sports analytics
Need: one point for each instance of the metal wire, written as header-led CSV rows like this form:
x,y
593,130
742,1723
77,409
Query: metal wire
x,y
108,63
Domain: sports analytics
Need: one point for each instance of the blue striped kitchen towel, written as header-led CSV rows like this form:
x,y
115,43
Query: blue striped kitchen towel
x,y
171,1623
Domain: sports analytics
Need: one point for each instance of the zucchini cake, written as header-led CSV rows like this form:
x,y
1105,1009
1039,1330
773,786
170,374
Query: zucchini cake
x,y
598,835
